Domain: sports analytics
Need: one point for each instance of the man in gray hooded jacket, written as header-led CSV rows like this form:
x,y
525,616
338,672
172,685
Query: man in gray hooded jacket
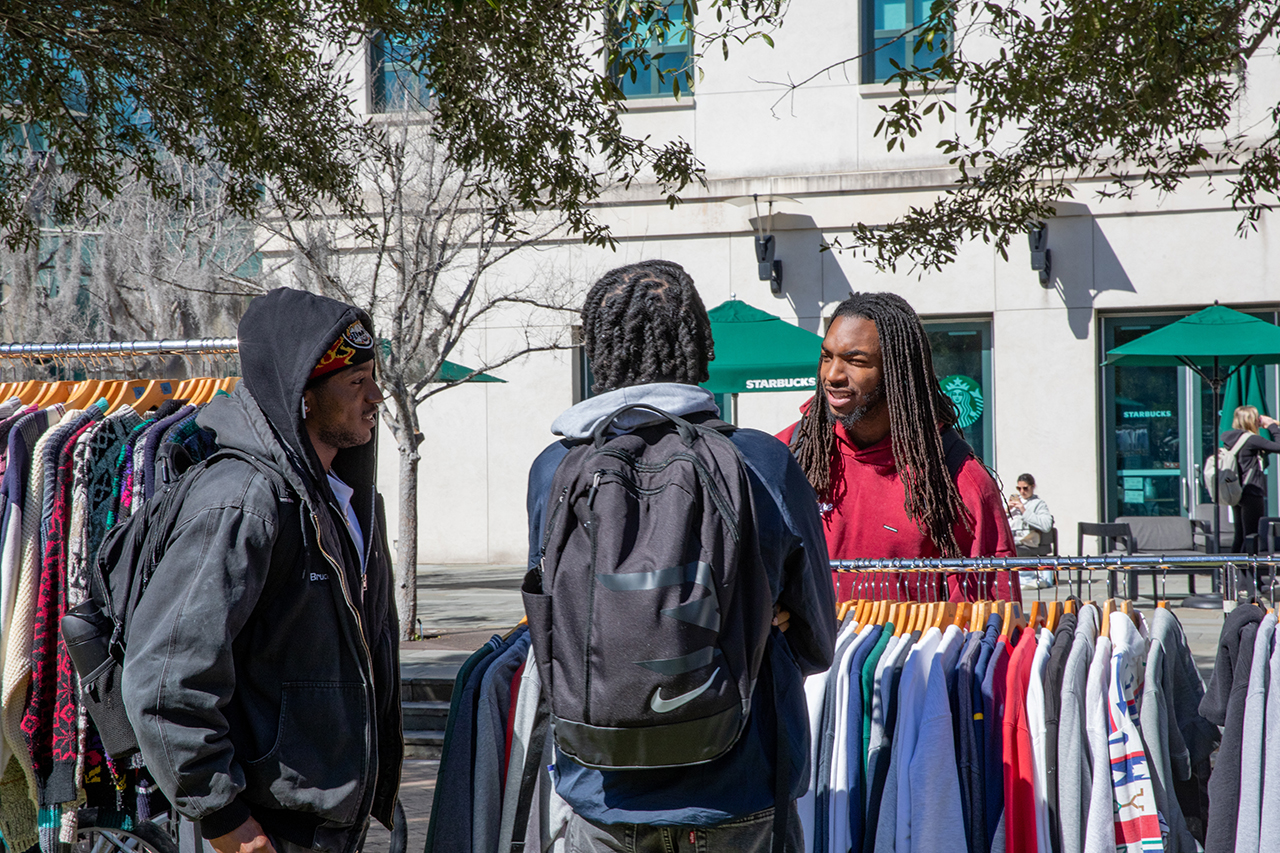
x,y
267,708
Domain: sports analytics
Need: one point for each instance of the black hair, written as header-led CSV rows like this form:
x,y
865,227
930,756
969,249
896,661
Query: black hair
x,y
918,411
1028,479
643,323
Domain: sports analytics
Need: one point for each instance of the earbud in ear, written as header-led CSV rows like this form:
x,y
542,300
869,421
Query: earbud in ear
x,y
304,408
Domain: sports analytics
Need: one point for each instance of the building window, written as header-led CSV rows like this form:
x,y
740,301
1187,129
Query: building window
x,y
396,79
962,360
890,35
663,53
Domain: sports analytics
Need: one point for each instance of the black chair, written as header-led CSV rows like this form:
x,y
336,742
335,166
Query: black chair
x,y
1268,543
1109,538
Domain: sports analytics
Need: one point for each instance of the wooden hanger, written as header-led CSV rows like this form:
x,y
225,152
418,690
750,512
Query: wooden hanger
x,y
1038,614
228,384
83,394
128,391
156,392
963,609
52,392
205,392
1108,608
1013,618
1162,604
841,609
1055,614
1126,607
1072,605
28,391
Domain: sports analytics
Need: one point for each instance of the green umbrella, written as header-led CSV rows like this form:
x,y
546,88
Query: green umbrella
x,y
756,351
1216,343
1245,388
1216,338
450,372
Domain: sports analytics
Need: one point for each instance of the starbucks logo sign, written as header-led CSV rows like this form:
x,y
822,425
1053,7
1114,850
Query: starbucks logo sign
x,y
966,394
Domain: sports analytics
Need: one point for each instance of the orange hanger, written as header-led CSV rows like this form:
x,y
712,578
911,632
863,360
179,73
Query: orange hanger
x,y
28,392
963,609
1107,609
83,394
129,392
1055,614
841,609
229,384
1162,604
1013,618
1072,605
156,392
205,391
1038,614
54,392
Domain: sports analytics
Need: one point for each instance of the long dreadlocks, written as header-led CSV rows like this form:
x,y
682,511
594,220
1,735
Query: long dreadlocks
x,y
643,323
917,407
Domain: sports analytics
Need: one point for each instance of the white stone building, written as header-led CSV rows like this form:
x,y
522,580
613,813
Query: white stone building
x,y
1101,442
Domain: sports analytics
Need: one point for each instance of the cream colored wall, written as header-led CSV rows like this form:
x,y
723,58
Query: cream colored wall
x,y
1148,253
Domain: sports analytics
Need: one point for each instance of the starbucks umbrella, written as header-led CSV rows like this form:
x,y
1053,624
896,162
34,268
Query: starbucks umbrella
x,y
756,351
1217,343
1245,388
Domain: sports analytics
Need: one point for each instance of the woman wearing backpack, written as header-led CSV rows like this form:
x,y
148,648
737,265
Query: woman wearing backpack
x,y
1251,463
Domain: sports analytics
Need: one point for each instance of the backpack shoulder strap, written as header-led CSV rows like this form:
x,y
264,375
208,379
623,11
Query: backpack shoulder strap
x,y
290,541
955,451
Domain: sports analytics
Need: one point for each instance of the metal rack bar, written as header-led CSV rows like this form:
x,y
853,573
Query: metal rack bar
x,y
1092,563
107,349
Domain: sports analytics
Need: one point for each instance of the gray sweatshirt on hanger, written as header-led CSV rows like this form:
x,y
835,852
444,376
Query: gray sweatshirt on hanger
x,y
1249,815
1173,690
1270,823
1100,830
1075,777
1223,705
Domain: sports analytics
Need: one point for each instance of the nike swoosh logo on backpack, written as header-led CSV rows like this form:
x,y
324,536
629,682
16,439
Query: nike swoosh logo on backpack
x,y
666,706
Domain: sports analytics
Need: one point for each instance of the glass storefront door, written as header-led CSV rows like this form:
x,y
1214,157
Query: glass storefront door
x,y
1158,427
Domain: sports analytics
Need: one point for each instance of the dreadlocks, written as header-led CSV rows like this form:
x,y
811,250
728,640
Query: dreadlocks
x,y
917,407
646,323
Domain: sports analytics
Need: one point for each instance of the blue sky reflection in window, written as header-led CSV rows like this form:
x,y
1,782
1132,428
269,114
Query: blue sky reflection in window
x,y
667,42
889,29
395,76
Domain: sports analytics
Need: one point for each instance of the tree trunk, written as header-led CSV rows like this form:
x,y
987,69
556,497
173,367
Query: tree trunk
x,y
407,545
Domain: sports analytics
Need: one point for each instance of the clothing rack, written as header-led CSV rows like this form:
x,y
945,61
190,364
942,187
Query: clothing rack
x,y
1242,571
109,349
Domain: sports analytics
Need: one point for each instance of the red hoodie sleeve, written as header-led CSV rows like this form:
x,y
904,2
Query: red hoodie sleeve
x,y
990,535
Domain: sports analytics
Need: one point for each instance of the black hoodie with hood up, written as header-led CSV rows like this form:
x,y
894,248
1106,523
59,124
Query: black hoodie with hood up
x,y
284,706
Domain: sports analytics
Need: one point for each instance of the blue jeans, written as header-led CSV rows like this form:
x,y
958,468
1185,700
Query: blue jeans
x,y
750,834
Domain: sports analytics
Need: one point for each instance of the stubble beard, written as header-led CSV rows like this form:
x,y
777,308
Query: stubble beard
x,y
874,399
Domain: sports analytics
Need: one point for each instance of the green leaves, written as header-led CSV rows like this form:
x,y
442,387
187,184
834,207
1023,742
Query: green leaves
x,y
1122,95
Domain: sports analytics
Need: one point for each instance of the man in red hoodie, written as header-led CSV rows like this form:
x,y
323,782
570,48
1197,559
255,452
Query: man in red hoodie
x,y
874,443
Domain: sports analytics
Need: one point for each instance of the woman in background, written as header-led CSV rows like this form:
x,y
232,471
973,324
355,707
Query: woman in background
x,y
1252,463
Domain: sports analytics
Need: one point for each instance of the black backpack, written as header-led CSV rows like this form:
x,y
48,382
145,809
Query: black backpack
x,y
650,610
96,630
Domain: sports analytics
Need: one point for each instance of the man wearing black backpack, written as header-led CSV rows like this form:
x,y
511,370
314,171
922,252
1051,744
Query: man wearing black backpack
x,y
673,551
261,674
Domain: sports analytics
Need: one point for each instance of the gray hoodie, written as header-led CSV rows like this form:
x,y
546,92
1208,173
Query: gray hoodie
x,y
1075,777
673,397
1249,817
1270,822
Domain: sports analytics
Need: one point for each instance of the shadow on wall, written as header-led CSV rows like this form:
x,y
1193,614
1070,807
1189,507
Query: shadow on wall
x,y
1091,267
806,269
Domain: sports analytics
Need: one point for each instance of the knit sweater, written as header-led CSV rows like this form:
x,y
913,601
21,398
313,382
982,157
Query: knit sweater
x,y
17,660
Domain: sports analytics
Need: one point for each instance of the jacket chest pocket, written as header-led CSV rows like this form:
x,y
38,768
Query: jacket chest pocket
x,y
318,763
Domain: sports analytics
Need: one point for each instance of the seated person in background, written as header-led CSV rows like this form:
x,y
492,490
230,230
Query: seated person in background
x,y
1031,522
